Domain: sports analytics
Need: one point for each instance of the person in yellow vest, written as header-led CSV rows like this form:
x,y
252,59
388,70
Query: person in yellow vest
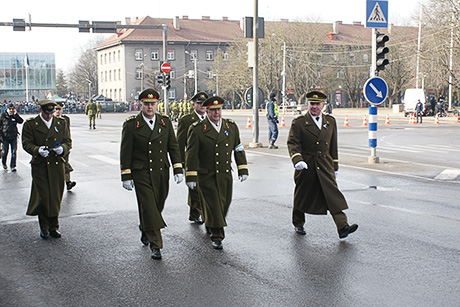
x,y
272,118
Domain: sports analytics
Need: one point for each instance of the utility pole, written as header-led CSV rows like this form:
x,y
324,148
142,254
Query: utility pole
x,y
255,108
165,57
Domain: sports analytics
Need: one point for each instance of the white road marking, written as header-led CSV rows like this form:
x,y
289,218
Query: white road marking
x,y
105,159
448,174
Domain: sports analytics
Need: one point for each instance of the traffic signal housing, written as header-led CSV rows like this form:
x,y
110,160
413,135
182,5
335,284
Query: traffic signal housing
x,y
167,81
160,79
381,51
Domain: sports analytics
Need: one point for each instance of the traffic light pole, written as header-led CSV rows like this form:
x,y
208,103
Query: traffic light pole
x,y
165,56
372,134
255,108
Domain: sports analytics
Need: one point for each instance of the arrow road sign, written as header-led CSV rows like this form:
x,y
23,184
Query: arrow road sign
x,y
375,90
377,14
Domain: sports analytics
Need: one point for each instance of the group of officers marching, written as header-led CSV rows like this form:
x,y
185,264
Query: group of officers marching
x,y
202,152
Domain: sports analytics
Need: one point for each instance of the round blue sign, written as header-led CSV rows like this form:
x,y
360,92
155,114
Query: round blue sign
x,y
375,90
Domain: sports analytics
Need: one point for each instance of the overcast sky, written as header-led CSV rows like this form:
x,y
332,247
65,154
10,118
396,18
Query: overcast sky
x,y
67,43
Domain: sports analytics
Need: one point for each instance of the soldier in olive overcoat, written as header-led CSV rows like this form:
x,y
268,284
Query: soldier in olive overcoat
x,y
91,110
146,141
312,145
185,122
208,165
47,139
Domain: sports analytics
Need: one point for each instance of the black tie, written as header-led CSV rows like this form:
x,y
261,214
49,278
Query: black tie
x,y
151,122
317,118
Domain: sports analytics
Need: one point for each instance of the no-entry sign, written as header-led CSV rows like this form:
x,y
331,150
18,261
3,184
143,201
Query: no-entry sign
x,y
165,67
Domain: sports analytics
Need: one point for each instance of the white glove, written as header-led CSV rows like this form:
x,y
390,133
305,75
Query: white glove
x,y
242,177
128,184
336,174
43,152
178,178
59,150
191,185
301,165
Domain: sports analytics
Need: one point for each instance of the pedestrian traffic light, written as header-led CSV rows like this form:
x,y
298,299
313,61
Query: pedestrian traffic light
x,y
160,79
167,81
381,51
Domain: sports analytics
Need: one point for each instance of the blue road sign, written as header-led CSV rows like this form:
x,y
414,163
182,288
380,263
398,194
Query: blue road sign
x,y
377,14
375,90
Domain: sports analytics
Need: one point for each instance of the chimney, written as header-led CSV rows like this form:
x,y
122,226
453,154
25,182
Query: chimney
x,y
185,17
225,18
335,27
284,20
205,17
176,23
127,20
390,28
356,23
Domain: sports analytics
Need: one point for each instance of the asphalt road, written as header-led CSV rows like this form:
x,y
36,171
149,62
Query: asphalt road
x,y
405,253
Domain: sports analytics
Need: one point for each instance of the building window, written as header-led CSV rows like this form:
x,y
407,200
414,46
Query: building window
x,y
172,74
119,95
171,55
110,57
138,73
102,59
365,58
106,79
193,55
102,76
339,74
115,94
209,55
119,55
119,74
105,58
210,74
225,55
138,55
172,93
110,75
155,55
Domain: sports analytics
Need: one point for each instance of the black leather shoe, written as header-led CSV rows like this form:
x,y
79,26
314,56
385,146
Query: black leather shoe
x,y
345,231
208,230
196,220
217,244
55,234
45,234
144,238
70,185
300,230
156,254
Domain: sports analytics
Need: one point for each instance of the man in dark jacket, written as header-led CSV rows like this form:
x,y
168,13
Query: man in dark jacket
x,y
47,139
272,118
419,110
146,141
9,134
312,145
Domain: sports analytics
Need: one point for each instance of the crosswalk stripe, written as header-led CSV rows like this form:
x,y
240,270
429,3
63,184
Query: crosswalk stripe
x,y
448,174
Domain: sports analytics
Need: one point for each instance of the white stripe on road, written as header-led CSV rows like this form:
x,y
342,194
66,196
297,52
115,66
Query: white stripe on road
x,y
448,174
105,159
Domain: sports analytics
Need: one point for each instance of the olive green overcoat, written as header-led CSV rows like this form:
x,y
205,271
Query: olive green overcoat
x,y
208,162
316,189
144,159
47,173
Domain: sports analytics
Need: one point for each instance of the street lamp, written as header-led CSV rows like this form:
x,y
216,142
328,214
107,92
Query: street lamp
x,y
89,88
142,76
283,73
196,75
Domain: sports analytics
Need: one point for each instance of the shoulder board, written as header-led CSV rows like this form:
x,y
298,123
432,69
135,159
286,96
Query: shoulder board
x,y
164,116
130,118
196,123
299,117
231,121
330,115
30,119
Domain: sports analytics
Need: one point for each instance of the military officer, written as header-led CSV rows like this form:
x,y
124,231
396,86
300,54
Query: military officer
x,y
47,139
98,110
145,143
68,168
208,165
184,123
91,110
312,145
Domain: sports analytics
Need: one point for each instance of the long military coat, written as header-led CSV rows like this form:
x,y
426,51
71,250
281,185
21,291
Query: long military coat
x,y
208,162
47,173
91,109
182,128
144,158
68,167
316,188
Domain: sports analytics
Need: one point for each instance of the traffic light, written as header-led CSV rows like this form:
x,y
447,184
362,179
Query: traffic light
x,y
381,51
160,79
167,81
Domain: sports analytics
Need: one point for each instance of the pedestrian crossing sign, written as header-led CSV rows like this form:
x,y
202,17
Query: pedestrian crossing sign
x,y
377,14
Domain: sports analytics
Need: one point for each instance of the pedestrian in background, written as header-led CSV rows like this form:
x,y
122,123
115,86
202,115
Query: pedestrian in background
x,y
98,109
419,110
146,141
47,139
272,118
91,110
9,121
185,122
68,168
208,165
312,145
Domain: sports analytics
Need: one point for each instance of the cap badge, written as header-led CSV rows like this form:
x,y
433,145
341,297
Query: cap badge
x,y
215,102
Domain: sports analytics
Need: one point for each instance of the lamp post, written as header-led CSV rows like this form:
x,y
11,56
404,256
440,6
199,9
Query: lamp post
x,y
195,74
142,77
89,88
283,73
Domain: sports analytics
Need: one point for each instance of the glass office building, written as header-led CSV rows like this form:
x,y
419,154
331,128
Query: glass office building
x,y
40,71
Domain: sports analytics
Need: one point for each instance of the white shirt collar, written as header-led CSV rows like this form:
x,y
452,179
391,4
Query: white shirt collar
x,y
217,127
47,123
152,124
201,117
319,121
